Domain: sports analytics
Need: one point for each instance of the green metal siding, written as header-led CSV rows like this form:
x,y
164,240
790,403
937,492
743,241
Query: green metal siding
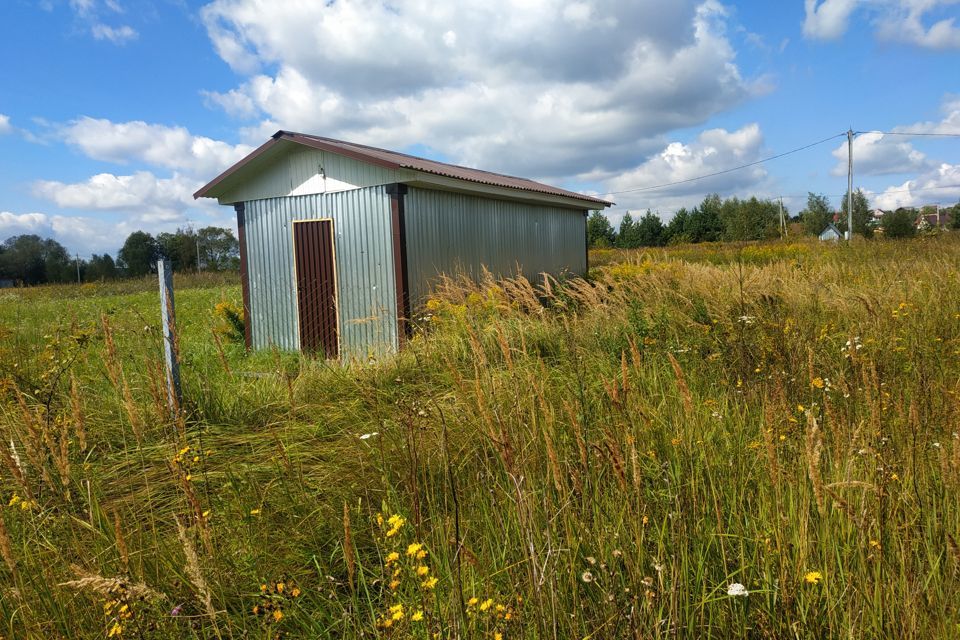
x,y
364,261
457,233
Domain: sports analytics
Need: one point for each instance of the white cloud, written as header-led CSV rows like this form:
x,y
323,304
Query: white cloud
x,y
5,126
827,20
949,124
557,88
116,35
713,150
157,145
79,234
894,20
877,154
142,194
939,185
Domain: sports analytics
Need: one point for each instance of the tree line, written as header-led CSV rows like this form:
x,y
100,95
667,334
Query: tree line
x,y
29,259
735,219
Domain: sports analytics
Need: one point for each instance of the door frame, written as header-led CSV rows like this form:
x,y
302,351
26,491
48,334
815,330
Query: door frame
x,y
336,281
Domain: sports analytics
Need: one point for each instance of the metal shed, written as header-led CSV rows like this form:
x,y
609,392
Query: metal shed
x,y
340,242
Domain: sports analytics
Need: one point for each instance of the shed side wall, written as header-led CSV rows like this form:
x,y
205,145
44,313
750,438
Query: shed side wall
x,y
364,261
456,233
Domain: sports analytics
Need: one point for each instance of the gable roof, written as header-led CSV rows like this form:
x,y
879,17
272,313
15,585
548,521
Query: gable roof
x,y
831,227
395,160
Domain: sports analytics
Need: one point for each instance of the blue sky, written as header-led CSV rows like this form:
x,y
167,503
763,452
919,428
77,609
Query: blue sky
x,y
113,112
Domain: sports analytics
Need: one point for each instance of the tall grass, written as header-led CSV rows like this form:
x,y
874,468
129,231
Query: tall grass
x,y
602,459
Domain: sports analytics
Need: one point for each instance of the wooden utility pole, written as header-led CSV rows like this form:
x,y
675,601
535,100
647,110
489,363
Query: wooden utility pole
x,y
850,185
78,267
783,222
171,356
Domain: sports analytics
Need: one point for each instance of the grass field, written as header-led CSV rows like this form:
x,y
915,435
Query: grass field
x,y
702,442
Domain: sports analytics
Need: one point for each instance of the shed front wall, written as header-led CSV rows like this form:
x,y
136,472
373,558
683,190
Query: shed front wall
x,y
453,233
364,263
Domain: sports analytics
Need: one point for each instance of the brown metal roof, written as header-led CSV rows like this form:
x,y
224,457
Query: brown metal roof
x,y
395,160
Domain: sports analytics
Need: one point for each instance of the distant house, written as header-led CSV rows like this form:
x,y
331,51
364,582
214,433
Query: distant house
x,y
831,233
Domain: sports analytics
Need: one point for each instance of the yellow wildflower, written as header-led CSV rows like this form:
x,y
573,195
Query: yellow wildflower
x,y
296,592
813,577
394,584
497,635
421,554
414,548
115,630
472,601
280,586
486,604
423,570
417,616
254,512
392,557
430,583
277,615
817,382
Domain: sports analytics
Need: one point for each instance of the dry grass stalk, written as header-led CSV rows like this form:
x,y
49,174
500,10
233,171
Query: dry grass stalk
x,y
813,449
61,457
193,570
615,453
578,434
157,386
348,552
682,384
12,461
634,463
87,581
121,542
220,353
504,347
76,413
37,440
6,549
767,430
119,380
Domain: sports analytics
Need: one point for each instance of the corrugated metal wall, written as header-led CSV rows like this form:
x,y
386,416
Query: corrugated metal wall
x,y
364,257
450,232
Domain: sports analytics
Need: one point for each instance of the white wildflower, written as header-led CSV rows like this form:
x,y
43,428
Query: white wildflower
x,y
367,436
737,589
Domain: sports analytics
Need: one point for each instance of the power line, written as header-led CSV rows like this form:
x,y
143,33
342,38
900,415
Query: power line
x,y
732,169
911,133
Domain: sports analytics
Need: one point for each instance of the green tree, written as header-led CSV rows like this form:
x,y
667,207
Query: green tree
x,y
628,237
676,231
139,254
600,232
180,248
100,268
898,223
704,224
955,216
751,219
817,215
861,215
650,230
35,260
220,251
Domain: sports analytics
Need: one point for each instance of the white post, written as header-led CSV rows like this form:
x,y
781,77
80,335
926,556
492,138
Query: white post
x,y
169,319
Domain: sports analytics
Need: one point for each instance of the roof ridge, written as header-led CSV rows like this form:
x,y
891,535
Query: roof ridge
x,y
449,164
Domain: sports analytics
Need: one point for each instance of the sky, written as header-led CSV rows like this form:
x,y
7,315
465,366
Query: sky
x,y
114,112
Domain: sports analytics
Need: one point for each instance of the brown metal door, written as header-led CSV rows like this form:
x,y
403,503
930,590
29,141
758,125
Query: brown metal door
x,y
316,287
